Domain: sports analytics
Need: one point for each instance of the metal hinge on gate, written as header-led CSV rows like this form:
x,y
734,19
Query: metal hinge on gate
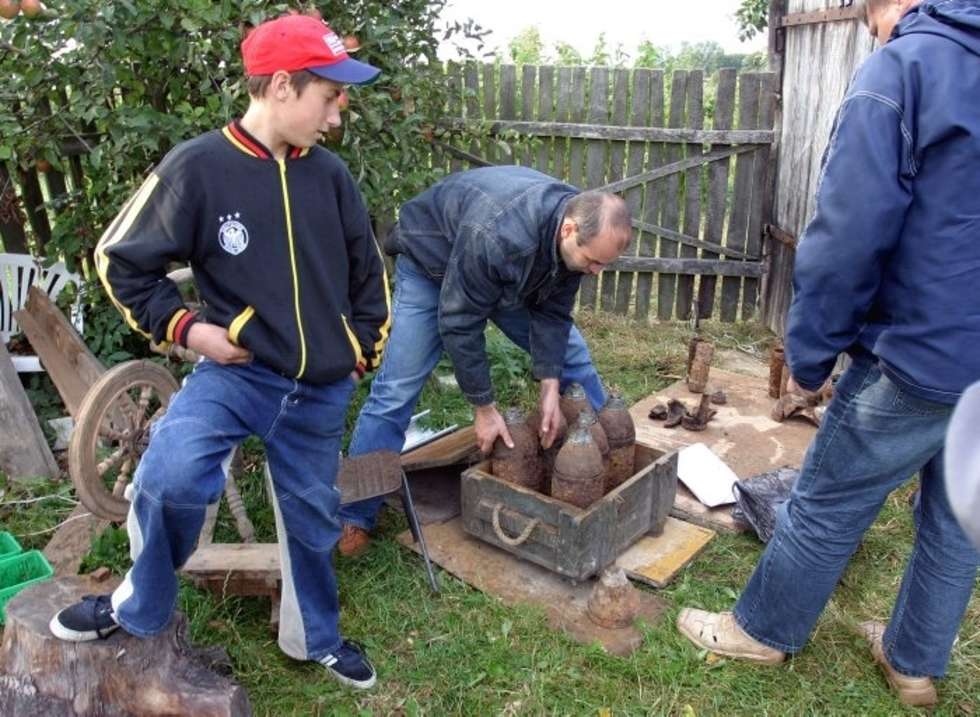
x,y
845,11
781,235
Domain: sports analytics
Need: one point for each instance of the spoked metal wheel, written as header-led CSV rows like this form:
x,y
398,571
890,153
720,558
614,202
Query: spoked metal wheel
x,y
113,430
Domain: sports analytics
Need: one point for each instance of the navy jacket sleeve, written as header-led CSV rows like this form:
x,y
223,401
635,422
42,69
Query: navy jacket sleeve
x,y
154,228
368,283
862,197
551,322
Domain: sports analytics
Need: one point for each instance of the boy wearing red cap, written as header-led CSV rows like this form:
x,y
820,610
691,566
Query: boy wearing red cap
x,y
296,310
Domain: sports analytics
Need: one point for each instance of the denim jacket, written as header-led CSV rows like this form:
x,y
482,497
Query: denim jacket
x,y
489,237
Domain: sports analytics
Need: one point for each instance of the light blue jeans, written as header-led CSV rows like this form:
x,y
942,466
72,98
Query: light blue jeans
x,y
182,471
875,435
413,350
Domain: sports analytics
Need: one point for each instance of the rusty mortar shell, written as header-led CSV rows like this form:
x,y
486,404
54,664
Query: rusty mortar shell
x,y
614,602
617,422
572,402
518,465
578,471
546,456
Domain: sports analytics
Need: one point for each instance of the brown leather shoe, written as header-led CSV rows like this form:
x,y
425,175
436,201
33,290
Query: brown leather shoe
x,y
913,691
353,541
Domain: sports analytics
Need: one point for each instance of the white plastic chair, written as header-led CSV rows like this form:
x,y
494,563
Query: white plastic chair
x,y
18,273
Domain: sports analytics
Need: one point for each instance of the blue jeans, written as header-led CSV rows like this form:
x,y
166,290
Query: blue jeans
x,y
875,435
413,350
182,471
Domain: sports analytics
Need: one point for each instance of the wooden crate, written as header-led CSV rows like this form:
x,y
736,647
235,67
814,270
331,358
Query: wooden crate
x,y
559,536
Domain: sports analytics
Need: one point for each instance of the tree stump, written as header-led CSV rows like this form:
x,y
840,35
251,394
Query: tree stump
x,y
41,675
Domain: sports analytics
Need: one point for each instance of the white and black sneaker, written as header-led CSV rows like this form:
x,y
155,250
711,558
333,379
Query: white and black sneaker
x,y
90,619
350,665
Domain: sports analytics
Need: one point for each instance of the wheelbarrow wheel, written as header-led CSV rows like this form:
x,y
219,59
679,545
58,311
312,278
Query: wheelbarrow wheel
x,y
111,432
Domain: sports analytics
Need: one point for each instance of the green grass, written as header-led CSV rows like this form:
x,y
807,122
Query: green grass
x,y
463,652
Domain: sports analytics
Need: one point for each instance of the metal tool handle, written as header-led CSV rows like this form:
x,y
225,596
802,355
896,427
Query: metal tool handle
x,y
513,542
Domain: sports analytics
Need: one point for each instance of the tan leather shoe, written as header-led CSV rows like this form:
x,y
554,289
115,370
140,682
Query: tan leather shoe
x,y
353,541
719,633
913,691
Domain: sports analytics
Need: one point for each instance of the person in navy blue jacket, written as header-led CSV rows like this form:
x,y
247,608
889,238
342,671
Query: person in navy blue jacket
x,y
888,271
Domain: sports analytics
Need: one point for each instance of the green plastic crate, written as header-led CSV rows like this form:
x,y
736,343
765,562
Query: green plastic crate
x,y
8,545
19,571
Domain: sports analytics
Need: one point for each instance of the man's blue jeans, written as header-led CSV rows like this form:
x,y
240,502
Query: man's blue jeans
x,y
182,472
413,350
874,436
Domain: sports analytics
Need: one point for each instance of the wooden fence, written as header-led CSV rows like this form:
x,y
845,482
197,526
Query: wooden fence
x,y
695,171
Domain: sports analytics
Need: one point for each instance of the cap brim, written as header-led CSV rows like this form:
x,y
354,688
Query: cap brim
x,y
348,72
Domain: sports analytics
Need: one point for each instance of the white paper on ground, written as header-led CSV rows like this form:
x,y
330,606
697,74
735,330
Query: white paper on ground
x,y
706,475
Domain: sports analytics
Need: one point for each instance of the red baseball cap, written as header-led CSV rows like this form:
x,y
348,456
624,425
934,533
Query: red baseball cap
x,y
301,42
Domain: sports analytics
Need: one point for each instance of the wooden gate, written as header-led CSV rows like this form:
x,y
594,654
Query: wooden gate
x,y
695,171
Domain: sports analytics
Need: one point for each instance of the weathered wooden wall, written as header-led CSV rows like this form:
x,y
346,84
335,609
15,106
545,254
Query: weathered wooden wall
x,y
817,63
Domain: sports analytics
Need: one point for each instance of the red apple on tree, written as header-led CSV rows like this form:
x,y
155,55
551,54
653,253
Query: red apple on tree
x,y
31,8
9,9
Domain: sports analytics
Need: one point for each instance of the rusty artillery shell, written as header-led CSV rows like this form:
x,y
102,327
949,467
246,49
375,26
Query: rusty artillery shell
x,y
577,477
598,433
618,425
518,465
699,364
572,402
546,456
776,360
613,602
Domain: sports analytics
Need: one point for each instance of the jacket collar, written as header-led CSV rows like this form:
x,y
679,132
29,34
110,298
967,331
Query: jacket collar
x,y
247,143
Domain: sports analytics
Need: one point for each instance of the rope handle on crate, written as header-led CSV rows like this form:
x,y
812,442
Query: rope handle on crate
x,y
513,542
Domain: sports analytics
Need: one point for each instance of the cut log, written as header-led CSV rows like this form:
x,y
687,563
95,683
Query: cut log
x,y
71,365
24,452
43,676
72,541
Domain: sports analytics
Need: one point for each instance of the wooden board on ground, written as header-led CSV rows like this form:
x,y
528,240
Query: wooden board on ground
x,y
742,434
24,451
516,581
456,447
235,568
72,541
656,560
71,365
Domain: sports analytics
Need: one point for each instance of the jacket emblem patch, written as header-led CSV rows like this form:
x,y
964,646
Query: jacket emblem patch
x,y
232,234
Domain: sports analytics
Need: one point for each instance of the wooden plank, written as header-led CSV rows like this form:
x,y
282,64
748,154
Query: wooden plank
x,y
761,196
692,193
595,164
714,228
688,240
24,451
617,159
562,108
73,540
647,244
686,266
657,560
677,167
529,76
639,114
224,558
545,111
456,447
471,100
576,112
731,287
589,130
71,365
508,96
489,109
667,283
454,105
